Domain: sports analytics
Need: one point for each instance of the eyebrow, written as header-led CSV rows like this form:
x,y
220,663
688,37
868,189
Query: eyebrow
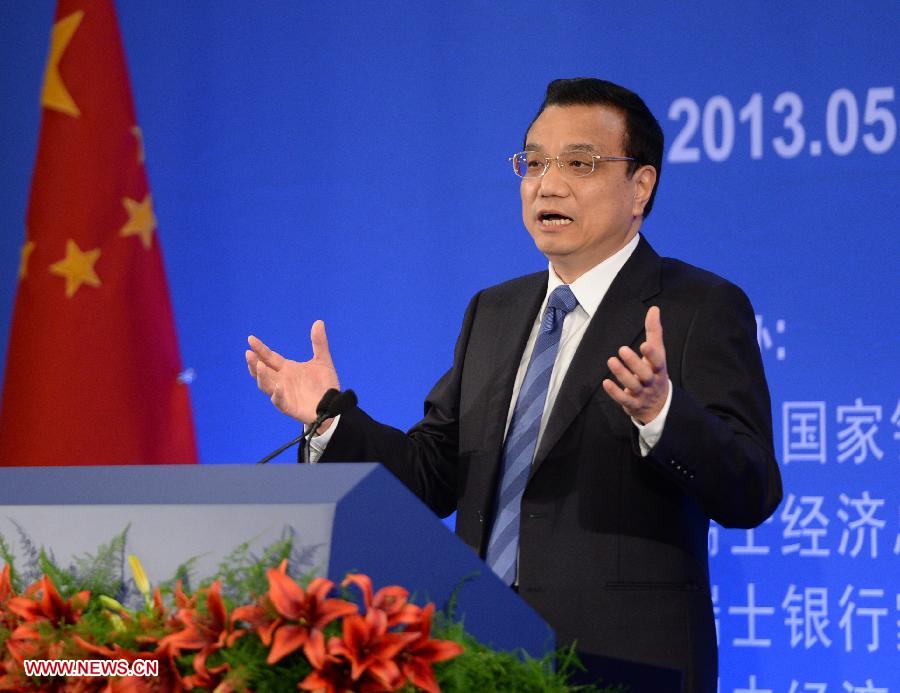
x,y
577,147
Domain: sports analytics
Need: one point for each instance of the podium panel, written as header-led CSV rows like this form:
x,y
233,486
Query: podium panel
x,y
345,517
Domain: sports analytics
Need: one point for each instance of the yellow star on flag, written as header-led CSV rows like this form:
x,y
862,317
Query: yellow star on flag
x,y
141,220
55,94
27,250
77,267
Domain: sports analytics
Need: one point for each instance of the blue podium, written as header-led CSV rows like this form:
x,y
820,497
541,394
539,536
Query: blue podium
x,y
345,517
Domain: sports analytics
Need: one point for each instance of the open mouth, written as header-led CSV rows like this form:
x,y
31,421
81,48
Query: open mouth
x,y
554,219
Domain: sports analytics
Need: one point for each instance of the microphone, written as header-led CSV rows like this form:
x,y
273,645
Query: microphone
x,y
341,402
323,410
331,404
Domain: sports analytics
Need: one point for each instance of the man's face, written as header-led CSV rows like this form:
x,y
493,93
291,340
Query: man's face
x,y
579,222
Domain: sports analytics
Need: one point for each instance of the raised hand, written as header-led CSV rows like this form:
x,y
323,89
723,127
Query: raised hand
x,y
644,379
295,387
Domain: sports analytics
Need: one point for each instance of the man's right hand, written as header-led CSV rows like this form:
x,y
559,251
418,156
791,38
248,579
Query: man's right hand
x,y
294,387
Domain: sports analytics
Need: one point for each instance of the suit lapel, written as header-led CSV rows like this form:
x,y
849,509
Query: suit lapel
x,y
513,323
619,320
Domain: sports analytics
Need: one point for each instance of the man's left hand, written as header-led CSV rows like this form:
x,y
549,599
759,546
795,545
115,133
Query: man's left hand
x,y
644,379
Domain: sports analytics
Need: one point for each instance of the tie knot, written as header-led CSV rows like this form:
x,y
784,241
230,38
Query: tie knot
x,y
562,301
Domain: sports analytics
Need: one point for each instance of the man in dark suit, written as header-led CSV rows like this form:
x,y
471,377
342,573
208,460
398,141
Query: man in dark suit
x,y
584,448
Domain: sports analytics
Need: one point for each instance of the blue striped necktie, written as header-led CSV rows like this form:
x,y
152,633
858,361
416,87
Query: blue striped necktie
x,y
521,439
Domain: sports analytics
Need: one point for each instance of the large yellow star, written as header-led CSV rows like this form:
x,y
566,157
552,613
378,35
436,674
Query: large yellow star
x,y
55,95
27,250
77,267
141,220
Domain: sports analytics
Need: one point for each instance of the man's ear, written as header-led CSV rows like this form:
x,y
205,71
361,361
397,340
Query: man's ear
x,y
645,179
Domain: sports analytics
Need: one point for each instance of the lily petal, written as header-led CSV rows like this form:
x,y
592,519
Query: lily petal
x,y
331,609
6,590
287,639
390,599
216,606
438,650
286,595
314,648
421,676
52,603
364,582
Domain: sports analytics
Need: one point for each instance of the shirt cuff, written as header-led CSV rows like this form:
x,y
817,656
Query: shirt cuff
x,y
317,444
649,434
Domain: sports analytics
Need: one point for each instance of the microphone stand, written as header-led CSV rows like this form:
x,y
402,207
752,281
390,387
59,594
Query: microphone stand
x,y
281,449
324,411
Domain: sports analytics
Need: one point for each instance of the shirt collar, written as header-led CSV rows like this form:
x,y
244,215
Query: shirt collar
x,y
591,287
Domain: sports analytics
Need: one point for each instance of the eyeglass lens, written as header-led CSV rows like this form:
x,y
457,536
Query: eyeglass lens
x,y
533,164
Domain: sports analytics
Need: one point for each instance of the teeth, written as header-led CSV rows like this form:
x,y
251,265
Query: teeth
x,y
556,222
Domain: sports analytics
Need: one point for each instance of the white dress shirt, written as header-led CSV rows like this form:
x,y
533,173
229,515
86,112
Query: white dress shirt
x,y
589,289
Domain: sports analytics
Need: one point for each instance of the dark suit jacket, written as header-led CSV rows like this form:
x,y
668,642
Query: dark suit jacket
x,y
613,546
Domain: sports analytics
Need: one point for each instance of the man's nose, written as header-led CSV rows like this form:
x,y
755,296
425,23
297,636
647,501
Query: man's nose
x,y
553,182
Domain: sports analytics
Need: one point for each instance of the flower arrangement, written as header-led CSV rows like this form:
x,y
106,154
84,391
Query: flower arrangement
x,y
252,628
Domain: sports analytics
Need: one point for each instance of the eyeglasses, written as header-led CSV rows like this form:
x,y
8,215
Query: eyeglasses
x,y
572,164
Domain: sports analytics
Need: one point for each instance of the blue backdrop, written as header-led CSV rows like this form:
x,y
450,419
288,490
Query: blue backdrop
x,y
781,174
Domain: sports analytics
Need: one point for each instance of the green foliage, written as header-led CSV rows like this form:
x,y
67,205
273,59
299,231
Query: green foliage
x,y
243,575
480,668
103,572
63,579
31,570
453,600
243,578
183,573
247,658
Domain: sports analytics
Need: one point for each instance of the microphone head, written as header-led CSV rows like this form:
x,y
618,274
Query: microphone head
x,y
342,402
326,402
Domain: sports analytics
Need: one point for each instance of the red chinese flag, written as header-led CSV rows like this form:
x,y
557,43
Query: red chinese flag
x,y
92,375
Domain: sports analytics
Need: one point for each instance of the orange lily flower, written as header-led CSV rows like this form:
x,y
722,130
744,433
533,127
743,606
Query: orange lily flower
x,y
370,648
417,658
333,674
201,630
182,601
262,616
208,633
25,643
51,606
392,600
300,615
40,604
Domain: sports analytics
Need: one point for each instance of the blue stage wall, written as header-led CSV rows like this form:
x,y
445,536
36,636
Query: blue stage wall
x,y
347,161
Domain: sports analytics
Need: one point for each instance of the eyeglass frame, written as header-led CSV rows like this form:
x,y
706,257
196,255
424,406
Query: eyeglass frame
x,y
562,166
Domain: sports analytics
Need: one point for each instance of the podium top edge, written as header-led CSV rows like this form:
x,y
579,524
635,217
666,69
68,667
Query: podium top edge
x,y
180,484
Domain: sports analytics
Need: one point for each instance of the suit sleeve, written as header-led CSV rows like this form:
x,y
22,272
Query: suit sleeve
x,y
717,441
425,459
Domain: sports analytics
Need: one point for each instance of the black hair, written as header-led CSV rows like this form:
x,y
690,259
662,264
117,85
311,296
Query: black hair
x,y
643,135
